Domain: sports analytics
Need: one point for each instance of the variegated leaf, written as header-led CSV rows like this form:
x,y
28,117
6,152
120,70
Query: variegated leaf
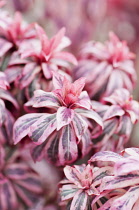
x,y
22,126
38,151
127,165
32,183
2,112
51,149
106,156
4,46
45,99
73,175
27,196
28,74
16,171
67,145
64,116
79,201
127,201
113,182
113,111
80,125
91,115
8,198
83,101
86,143
100,173
4,94
42,128
68,191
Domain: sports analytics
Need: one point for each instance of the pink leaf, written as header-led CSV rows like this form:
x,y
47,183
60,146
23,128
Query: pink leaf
x,y
66,56
28,74
4,46
113,111
47,71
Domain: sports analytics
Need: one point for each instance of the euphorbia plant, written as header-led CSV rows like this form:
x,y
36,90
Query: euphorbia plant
x,y
125,178
119,113
81,186
13,32
45,56
101,64
63,133
32,65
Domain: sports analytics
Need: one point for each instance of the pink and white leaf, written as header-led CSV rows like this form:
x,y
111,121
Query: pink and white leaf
x,y
91,115
4,94
80,125
28,74
3,81
47,71
4,46
16,171
13,73
79,201
68,191
45,99
22,126
42,128
113,182
106,156
64,116
8,198
86,143
67,146
73,175
126,166
113,111
126,201
66,56
132,151
83,101
58,80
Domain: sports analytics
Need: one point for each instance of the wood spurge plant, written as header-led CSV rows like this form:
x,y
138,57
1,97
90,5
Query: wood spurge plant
x,y
69,136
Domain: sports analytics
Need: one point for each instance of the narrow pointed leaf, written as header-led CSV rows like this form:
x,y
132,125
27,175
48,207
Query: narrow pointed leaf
x,y
80,125
67,145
